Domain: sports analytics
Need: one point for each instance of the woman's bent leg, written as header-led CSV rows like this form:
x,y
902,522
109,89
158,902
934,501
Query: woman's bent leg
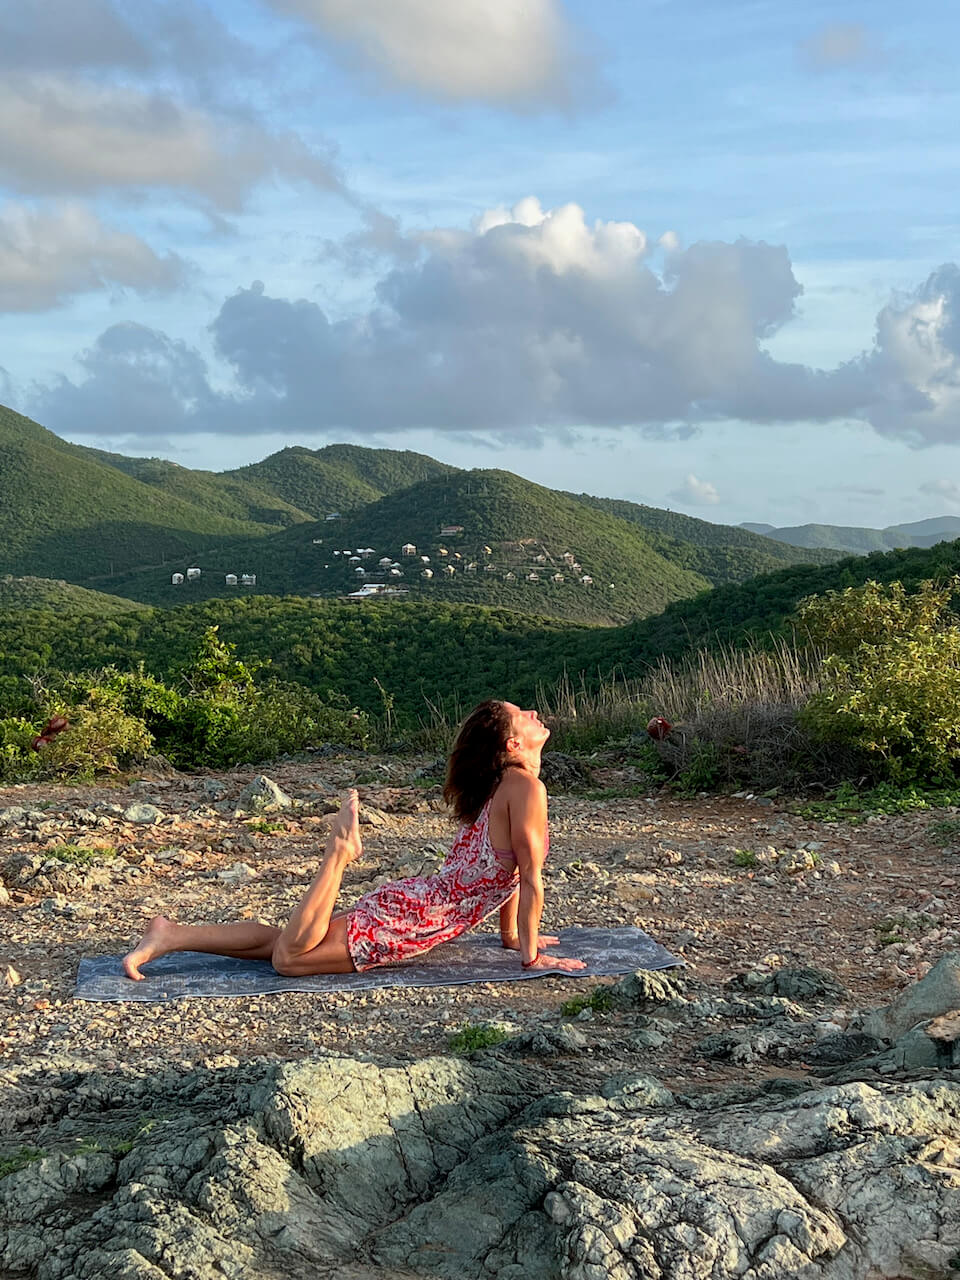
x,y
304,935
309,937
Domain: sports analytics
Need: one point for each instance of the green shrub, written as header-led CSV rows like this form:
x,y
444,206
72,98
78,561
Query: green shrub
x,y
599,1000
77,856
891,689
474,1036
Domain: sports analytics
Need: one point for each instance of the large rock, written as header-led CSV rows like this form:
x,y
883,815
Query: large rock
x,y
143,813
937,993
263,795
449,1169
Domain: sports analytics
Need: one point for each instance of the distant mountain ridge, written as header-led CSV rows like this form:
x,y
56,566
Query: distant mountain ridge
x,y
861,541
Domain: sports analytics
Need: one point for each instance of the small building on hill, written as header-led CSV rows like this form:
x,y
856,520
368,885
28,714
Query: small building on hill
x,y
385,562
449,570
509,576
248,579
448,530
230,579
408,549
426,573
193,574
587,580
533,576
334,515
556,577
176,579
471,567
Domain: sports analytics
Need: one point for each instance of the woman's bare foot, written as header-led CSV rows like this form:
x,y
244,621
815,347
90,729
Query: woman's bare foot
x,y
344,839
155,942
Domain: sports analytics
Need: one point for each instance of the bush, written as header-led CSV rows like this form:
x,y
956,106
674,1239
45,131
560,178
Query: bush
x,y
891,690
217,717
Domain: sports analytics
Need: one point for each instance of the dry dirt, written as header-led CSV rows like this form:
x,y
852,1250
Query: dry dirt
x,y
877,908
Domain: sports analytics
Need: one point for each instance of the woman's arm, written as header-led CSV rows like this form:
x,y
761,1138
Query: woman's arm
x,y
527,811
508,923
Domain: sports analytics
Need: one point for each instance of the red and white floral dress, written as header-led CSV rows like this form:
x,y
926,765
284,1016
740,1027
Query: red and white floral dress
x,y
406,917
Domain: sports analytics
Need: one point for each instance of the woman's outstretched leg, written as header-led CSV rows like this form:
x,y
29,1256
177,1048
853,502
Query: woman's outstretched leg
x,y
245,940
288,948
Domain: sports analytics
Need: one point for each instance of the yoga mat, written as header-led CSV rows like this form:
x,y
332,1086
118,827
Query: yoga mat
x,y
473,958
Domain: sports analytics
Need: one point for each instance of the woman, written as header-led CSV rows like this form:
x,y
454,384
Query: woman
x,y
494,788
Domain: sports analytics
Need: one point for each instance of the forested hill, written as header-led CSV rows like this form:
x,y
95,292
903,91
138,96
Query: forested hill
x,y
58,597
744,612
448,653
721,553
64,513
515,545
340,477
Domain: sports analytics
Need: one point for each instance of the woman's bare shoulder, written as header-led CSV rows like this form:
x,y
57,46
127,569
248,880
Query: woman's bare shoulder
x,y
520,785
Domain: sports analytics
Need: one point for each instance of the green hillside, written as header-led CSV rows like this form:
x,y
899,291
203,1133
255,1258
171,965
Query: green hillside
x,y
220,494
529,530
453,655
741,612
861,541
64,514
58,597
721,553
339,478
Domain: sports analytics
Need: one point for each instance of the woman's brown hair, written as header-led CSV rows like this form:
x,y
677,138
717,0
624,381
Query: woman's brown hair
x,y
478,759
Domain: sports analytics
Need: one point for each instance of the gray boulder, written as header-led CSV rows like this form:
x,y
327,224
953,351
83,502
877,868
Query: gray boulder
x,y
937,993
142,813
262,795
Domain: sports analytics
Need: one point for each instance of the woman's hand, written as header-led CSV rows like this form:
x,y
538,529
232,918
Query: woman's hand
x,y
566,963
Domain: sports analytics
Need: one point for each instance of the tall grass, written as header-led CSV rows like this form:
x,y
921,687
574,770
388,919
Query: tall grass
x,y
583,717
727,678
734,714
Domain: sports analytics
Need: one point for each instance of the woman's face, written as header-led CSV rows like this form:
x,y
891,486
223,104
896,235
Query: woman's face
x,y
526,728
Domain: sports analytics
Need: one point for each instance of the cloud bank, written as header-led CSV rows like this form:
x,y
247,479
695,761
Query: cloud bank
x,y
531,323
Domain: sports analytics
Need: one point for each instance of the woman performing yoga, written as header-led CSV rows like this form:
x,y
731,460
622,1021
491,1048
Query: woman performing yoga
x,y
496,861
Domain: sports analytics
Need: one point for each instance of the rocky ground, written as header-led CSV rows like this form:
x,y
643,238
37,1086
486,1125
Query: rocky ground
x,y
744,1118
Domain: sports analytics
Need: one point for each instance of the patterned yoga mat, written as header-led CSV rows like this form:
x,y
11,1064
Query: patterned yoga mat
x,y
474,958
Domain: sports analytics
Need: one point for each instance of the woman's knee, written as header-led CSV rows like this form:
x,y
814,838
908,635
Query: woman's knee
x,y
283,962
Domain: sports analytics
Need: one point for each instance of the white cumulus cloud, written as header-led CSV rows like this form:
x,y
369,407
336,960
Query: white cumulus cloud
x,y
699,492
48,256
514,53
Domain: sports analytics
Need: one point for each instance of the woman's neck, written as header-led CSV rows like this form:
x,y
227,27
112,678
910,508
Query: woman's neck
x,y
528,763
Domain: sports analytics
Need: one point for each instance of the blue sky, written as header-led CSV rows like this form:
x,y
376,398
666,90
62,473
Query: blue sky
x,y
697,255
